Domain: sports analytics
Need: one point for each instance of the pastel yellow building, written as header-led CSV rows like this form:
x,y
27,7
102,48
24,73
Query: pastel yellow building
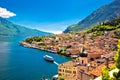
x,y
71,70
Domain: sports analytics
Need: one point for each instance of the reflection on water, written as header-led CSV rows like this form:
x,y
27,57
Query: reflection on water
x,y
19,63
4,47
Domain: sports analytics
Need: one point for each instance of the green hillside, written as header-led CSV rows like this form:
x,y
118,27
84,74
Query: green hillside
x,y
8,28
105,13
105,27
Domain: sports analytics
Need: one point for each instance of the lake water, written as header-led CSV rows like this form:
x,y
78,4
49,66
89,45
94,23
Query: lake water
x,y
20,63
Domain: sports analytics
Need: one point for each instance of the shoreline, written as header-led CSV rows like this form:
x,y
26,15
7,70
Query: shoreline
x,y
27,45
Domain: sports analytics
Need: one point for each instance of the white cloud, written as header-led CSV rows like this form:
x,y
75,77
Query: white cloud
x,y
4,13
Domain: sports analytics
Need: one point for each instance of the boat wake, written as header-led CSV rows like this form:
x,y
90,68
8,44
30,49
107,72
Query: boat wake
x,y
56,63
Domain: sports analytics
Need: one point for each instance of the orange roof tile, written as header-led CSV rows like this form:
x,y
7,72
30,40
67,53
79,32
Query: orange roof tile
x,y
98,70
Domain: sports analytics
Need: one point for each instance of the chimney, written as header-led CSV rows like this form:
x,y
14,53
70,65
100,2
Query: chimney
x,y
106,62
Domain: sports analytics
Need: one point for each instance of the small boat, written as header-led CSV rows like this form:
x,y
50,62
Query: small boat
x,y
48,58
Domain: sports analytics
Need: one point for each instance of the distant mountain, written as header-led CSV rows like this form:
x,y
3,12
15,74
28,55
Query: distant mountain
x,y
8,28
105,13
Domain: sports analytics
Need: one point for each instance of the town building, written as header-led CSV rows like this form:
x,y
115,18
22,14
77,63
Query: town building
x,y
87,66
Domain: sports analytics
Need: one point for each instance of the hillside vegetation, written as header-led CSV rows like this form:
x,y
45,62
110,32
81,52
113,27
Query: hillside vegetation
x,y
8,28
105,13
101,38
103,28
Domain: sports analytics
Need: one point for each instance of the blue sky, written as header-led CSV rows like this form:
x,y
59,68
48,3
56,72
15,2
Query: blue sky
x,y
50,15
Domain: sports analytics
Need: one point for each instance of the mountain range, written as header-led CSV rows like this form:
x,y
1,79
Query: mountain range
x,y
105,13
11,29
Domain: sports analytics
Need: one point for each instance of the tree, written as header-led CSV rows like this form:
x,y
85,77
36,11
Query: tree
x,y
105,74
61,78
116,75
117,63
117,56
29,40
37,38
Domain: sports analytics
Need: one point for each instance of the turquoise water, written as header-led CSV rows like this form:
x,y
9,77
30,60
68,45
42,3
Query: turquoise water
x,y
20,63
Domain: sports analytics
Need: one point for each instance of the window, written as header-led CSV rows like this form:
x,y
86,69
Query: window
x,y
91,59
74,72
67,71
59,69
97,57
82,62
59,74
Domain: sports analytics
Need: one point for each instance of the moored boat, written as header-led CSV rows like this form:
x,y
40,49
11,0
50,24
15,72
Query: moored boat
x,y
48,58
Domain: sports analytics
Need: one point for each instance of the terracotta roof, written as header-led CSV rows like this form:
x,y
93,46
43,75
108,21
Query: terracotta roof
x,y
74,52
98,70
68,64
